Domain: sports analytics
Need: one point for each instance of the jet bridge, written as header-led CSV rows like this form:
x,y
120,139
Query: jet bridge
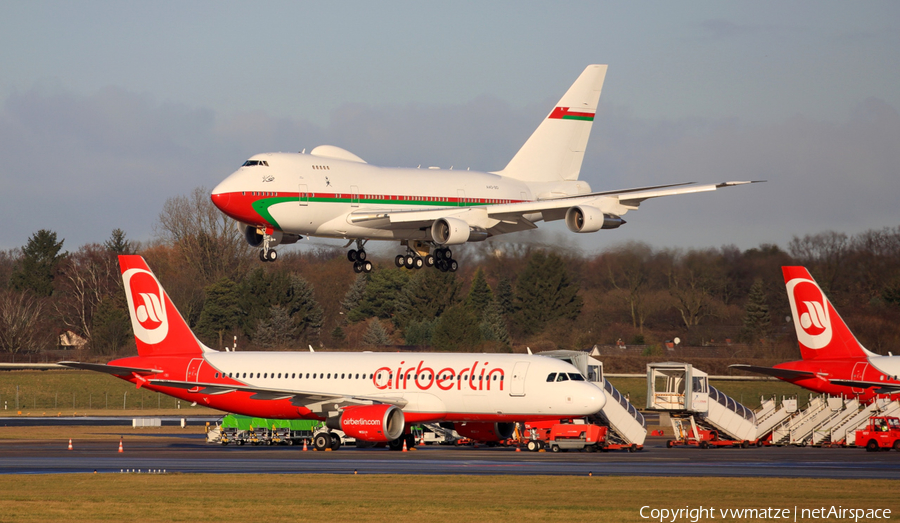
x,y
684,391
627,423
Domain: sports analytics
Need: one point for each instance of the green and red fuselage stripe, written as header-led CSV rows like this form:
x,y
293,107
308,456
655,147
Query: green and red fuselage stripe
x,y
250,207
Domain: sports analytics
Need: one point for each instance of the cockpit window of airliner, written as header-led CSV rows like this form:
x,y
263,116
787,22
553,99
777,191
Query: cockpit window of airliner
x,y
250,163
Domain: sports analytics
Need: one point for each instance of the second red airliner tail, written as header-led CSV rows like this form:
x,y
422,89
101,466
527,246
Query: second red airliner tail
x,y
821,332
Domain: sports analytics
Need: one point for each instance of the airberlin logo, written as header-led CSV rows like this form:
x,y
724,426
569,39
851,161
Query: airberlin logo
x,y
148,306
361,421
810,308
474,377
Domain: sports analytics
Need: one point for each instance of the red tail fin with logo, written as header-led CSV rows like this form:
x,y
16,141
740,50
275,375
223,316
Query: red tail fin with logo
x,y
820,330
159,329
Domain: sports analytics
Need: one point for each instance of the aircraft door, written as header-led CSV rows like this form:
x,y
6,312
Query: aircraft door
x,y
193,370
304,195
354,196
859,370
461,197
517,387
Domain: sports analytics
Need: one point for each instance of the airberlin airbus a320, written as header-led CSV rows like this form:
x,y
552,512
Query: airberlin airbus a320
x,y
370,396
279,197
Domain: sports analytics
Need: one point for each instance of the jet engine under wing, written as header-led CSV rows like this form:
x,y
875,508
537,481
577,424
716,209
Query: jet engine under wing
x,y
109,369
785,374
298,398
883,388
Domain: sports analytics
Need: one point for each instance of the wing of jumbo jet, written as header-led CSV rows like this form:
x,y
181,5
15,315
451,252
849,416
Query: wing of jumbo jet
x,y
785,374
510,217
315,401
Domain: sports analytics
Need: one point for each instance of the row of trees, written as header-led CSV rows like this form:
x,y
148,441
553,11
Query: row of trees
x,y
505,295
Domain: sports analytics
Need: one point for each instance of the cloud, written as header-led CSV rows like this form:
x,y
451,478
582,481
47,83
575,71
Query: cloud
x,y
82,165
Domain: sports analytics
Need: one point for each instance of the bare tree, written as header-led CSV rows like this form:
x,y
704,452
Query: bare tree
x,y
20,313
207,240
86,278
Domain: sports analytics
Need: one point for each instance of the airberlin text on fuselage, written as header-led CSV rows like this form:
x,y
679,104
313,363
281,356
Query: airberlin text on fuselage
x,y
423,378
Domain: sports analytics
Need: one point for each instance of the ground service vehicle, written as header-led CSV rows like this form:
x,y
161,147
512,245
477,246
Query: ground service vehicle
x,y
882,432
561,436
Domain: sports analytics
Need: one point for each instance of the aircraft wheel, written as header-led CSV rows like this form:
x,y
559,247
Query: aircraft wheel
x,y
410,441
418,263
398,261
429,261
357,267
396,444
367,266
439,254
361,255
322,441
272,255
533,446
452,266
441,265
262,256
352,255
335,442
409,261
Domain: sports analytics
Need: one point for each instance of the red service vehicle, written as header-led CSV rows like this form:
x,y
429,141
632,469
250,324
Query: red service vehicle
x,y
558,436
882,432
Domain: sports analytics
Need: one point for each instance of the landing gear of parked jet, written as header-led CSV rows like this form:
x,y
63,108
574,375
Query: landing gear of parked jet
x,y
358,257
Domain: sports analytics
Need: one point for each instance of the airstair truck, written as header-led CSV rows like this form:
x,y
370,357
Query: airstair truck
x,y
627,427
701,415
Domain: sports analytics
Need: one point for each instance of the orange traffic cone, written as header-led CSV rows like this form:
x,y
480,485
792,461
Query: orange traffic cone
x,y
120,446
304,445
70,443
517,448
404,445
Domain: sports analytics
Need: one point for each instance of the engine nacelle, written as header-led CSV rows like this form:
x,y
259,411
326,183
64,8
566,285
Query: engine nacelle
x,y
584,218
378,423
453,231
485,431
255,239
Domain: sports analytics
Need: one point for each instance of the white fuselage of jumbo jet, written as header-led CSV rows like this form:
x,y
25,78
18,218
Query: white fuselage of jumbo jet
x,y
326,197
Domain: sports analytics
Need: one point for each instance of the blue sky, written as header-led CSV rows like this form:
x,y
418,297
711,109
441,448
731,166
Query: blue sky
x,y
109,108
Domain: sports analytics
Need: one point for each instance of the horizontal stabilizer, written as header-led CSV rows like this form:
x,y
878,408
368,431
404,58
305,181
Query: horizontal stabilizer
x,y
109,369
883,388
785,374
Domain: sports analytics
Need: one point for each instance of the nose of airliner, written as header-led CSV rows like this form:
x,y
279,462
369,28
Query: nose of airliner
x,y
592,398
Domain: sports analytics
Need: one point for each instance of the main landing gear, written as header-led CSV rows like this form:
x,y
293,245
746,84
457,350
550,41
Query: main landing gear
x,y
442,259
358,257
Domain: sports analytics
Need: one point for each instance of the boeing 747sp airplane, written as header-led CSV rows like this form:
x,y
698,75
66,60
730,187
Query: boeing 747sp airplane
x,y
332,193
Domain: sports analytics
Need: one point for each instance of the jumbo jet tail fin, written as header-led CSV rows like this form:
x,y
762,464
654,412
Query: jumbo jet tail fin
x,y
821,331
159,329
556,149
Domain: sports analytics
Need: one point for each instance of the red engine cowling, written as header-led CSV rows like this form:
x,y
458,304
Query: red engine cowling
x,y
485,431
378,423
